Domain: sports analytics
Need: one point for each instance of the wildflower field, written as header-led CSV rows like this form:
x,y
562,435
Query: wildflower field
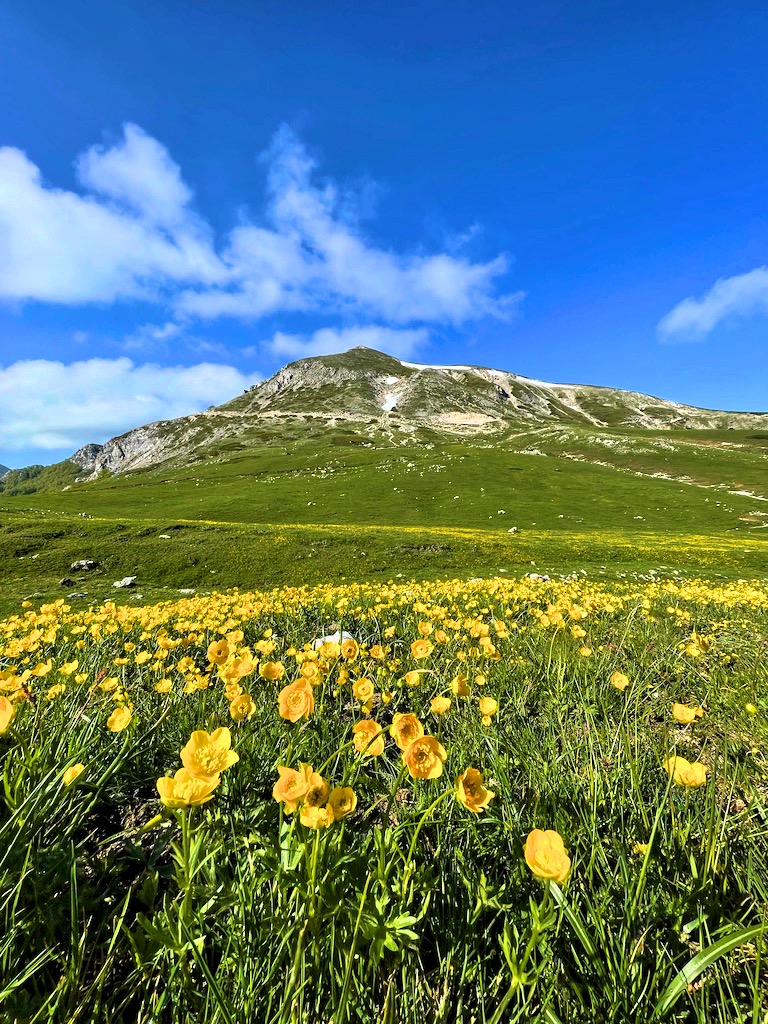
x,y
481,801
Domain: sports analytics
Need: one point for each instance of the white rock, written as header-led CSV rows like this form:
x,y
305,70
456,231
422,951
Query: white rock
x,y
332,638
126,581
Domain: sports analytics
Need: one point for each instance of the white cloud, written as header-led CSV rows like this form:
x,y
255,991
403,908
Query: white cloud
x,y
137,172
328,340
51,405
58,246
312,258
132,233
741,295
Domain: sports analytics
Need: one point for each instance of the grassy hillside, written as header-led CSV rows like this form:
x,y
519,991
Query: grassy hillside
x,y
326,505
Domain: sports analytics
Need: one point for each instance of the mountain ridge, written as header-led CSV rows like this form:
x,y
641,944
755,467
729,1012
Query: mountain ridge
x,y
375,397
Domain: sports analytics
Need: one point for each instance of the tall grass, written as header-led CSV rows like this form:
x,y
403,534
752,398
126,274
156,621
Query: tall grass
x,y
412,908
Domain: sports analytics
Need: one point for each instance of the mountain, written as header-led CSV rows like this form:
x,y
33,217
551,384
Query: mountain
x,y
369,395
4,470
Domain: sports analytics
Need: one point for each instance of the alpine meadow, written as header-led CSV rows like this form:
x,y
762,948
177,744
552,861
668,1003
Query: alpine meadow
x,y
383,512
350,744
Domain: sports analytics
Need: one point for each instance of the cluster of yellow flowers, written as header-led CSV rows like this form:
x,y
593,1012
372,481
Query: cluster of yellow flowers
x,y
203,758
319,805
451,639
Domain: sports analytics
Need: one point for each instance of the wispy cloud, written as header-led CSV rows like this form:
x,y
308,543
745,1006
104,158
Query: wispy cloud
x,y
56,406
741,295
132,232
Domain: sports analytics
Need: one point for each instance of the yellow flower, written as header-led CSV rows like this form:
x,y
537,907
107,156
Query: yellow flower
x,y
350,649
421,649
686,773
585,652
471,792
242,707
749,708
317,791
119,719
619,680
218,652
185,790
685,715
460,686
377,652
312,672
272,670
208,754
425,628
163,686
316,817
68,668
488,706
72,773
55,691
296,700
424,758
368,737
405,729
412,678
292,786
440,705
546,856
342,801
363,689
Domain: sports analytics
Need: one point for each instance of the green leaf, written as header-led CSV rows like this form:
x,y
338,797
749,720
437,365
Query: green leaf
x,y
699,963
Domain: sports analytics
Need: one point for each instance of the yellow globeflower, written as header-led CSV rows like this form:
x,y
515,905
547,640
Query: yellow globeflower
x,y
421,649
242,707
546,856
272,670
424,758
440,705
412,678
405,729
685,715
218,652
460,686
316,817
350,649
471,791
686,773
619,680
368,737
363,689
72,773
119,719
185,790
208,754
7,711
296,700
342,801
292,786
488,706
317,791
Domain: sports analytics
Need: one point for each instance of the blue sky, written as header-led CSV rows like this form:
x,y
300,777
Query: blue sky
x,y
193,194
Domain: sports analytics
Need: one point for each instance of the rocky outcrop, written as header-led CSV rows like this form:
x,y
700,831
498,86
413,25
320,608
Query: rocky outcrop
x,y
85,457
379,394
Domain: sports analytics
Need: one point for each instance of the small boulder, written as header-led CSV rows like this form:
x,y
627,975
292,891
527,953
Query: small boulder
x,y
84,565
66,582
126,581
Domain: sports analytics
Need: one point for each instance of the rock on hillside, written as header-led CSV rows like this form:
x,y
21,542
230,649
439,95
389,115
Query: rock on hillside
x,y
383,394
4,470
